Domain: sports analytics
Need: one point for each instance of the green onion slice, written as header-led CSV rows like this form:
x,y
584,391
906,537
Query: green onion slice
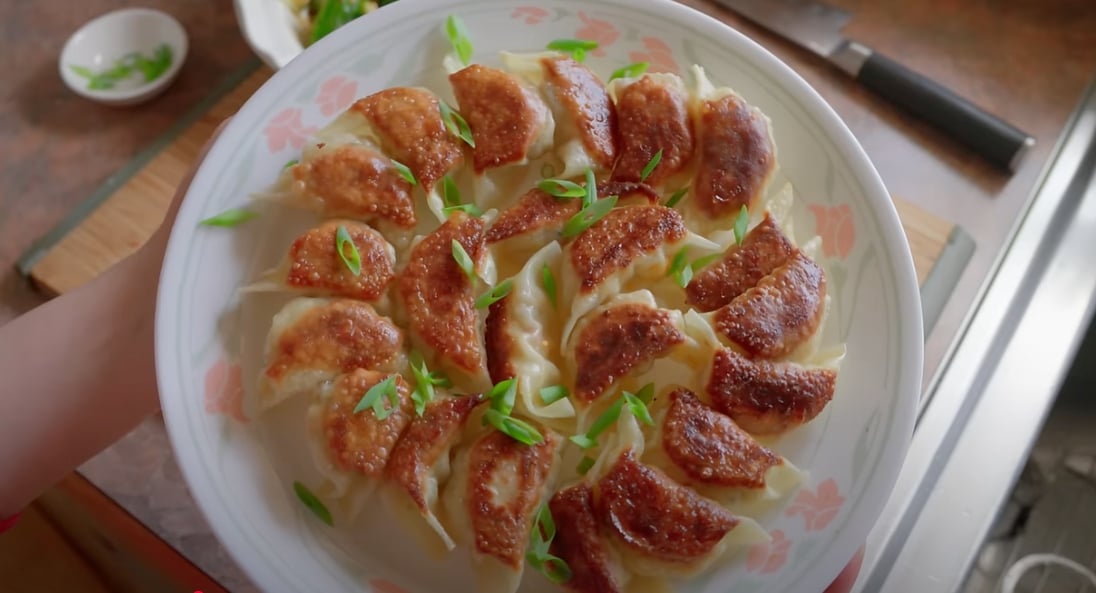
x,y
630,71
451,199
459,38
676,197
548,281
646,393
588,217
703,262
313,503
230,218
561,188
290,163
590,195
680,270
405,172
650,166
638,408
740,224
540,542
425,381
553,393
604,421
519,430
585,465
576,47
348,251
456,124
464,261
374,398
503,396
494,295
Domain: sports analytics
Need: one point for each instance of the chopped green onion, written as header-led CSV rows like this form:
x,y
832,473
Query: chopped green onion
x,y
334,14
450,197
646,393
548,281
638,408
630,71
519,430
464,261
456,124
404,172
494,295
576,47
348,251
650,166
374,398
588,217
459,38
540,542
703,262
680,270
503,395
585,465
604,421
561,188
230,218
591,189
553,393
313,503
424,384
290,163
740,224
676,197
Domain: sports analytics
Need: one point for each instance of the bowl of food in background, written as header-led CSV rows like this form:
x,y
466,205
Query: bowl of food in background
x,y
279,30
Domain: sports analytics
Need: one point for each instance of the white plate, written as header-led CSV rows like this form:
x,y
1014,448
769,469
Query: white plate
x,y
852,451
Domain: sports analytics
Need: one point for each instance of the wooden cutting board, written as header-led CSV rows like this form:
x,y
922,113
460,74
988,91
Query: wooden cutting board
x,y
125,219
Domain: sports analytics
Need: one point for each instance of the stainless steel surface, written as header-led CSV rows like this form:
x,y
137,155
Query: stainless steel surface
x,y
813,25
850,57
987,405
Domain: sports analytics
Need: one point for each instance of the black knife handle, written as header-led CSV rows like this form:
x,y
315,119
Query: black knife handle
x,y
995,139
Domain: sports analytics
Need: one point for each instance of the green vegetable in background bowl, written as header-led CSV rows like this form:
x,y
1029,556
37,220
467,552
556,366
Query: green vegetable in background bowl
x,y
318,18
150,67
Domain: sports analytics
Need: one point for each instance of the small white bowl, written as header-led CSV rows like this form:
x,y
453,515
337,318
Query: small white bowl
x,y
116,39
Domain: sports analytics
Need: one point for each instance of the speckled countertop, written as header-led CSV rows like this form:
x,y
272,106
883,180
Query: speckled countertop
x,y
1027,61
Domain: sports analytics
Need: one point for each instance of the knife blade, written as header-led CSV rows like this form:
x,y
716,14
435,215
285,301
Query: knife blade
x,y
817,27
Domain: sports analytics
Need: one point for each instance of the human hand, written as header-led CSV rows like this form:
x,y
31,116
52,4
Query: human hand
x,y
844,581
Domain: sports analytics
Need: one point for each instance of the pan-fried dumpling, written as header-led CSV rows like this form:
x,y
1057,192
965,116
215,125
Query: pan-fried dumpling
x,y
419,466
313,265
520,331
659,527
653,115
767,397
586,122
624,335
537,218
510,123
313,340
630,246
780,313
595,565
764,249
735,150
351,449
439,299
349,178
492,500
705,450
406,122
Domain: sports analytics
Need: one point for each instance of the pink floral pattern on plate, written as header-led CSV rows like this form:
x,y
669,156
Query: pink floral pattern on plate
x,y
818,508
286,129
835,225
383,586
769,557
530,14
603,32
224,390
336,94
658,54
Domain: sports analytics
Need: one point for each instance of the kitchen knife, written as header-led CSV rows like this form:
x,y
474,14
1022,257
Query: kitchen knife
x,y
817,27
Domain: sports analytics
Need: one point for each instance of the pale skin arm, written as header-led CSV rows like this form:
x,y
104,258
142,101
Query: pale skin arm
x,y
78,373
